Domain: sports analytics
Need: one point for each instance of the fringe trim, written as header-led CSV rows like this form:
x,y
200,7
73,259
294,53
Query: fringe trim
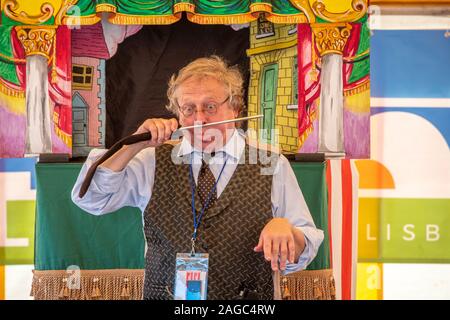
x,y
128,284
239,18
119,18
257,8
11,92
308,285
65,137
105,7
81,20
287,19
360,88
307,132
114,284
179,7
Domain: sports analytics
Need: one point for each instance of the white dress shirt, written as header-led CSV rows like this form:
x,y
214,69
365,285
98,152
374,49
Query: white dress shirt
x,y
110,191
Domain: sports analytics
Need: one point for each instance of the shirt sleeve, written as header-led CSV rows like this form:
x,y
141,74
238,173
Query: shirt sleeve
x,y
110,191
288,202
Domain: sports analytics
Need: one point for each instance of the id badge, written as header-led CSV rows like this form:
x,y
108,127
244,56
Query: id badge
x,y
191,277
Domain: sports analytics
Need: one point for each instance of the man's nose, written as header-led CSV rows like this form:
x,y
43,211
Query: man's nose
x,y
200,116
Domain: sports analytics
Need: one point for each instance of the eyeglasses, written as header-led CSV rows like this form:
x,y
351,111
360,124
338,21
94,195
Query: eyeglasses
x,y
209,108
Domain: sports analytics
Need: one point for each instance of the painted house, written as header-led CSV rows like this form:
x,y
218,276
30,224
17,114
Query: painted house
x,y
89,53
273,83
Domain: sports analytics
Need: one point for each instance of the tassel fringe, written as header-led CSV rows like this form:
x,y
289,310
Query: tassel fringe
x,y
308,285
127,284
117,284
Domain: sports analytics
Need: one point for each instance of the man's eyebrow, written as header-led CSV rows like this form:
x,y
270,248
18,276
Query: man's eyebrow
x,y
207,98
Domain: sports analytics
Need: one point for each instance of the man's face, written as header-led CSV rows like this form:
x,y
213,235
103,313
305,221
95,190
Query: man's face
x,y
204,100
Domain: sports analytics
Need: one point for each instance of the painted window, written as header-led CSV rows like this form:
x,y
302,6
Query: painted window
x,y
265,27
82,77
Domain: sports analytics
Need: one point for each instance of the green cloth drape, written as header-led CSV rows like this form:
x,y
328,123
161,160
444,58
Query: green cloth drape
x,y
66,235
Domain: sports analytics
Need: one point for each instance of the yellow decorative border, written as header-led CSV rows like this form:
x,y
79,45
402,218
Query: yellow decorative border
x,y
64,136
105,7
187,7
238,18
80,20
5,89
360,88
119,18
308,14
293,18
178,9
278,46
260,7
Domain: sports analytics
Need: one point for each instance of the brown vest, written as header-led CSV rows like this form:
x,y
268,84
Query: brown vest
x,y
229,230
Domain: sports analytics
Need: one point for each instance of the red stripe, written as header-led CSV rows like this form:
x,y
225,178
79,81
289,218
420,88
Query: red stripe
x,y
347,212
328,177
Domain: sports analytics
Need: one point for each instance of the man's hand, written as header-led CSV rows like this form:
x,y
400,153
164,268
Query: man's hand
x,y
160,129
278,240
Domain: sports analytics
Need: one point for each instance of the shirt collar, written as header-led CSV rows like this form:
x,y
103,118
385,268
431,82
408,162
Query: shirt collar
x,y
234,146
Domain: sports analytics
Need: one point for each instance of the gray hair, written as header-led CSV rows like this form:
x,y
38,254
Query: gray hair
x,y
214,67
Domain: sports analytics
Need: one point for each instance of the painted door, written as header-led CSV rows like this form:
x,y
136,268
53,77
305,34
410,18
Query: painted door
x,y
268,98
79,121
79,127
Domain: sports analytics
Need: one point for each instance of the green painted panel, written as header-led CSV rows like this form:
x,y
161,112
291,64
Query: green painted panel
x,y
20,233
415,230
361,67
67,235
312,181
7,68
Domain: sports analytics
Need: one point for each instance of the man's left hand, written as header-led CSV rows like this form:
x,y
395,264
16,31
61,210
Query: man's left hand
x,y
277,241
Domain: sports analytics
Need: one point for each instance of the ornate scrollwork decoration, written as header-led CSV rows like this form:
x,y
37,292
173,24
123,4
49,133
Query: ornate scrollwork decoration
x,y
37,40
11,11
331,38
357,11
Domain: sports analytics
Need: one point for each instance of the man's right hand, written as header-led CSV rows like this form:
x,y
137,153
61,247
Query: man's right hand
x,y
160,129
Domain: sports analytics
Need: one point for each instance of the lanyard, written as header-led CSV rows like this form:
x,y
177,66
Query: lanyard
x,y
198,220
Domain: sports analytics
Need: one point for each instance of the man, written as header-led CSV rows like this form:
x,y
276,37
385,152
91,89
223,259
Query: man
x,y
214,201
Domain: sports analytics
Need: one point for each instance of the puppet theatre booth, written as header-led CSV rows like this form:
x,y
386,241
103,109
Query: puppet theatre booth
x,y
77,75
